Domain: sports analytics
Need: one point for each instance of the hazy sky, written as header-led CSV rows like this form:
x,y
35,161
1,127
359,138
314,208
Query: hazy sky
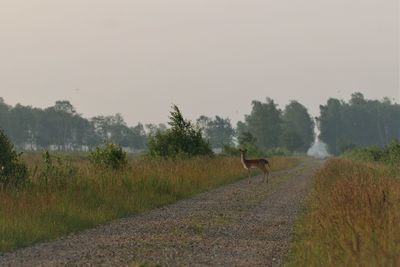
x,y
210,57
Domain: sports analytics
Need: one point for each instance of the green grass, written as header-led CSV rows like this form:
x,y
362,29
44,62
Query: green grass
x,y
74,195
352,218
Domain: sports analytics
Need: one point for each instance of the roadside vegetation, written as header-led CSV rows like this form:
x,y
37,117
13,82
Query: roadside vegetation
x,y
45,196
389,154
353,213
70,194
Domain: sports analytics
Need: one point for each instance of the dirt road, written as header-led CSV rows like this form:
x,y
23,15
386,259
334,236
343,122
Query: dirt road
x,y
240,224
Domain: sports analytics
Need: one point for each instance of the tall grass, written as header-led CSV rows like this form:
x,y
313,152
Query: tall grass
x,y
73,195
353,217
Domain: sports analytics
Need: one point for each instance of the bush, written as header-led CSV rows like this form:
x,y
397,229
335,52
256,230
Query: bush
x,y
392,152
12,170
182,140
389,154
109,156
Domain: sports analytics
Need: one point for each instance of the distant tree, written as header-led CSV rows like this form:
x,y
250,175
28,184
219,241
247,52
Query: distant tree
x,y
298,128
138,138
218,131
61,127
246,138
264,123
65,107
358,123
203,122
4,115
22,125
331,125
101,126
182,139
152,128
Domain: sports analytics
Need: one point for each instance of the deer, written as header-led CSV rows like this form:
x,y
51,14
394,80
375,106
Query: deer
x,y
254,163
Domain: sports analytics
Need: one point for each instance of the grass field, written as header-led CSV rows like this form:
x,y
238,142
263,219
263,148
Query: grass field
x,y
353,217
73,195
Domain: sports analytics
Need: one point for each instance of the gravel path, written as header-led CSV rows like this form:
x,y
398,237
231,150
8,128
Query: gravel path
x,y
240,224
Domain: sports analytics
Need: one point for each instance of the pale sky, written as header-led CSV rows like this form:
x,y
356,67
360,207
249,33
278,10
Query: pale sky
x,y
210,57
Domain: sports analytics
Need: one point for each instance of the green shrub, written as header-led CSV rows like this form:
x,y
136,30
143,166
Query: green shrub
x,y
12,171
389,154
109,156
372,153
392,152
183,139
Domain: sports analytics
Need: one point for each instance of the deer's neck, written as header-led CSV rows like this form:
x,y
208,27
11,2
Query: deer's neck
x,y
243,159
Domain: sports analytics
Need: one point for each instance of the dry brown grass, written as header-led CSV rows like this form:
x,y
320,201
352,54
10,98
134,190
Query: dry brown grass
x,y
353,218
77,196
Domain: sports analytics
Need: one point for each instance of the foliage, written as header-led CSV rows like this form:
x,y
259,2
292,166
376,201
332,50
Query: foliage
x,y
358,123
298,128
183,139
246,138
267,127
109,156
352,217
12,171
390,154
60,127
264,123
218,131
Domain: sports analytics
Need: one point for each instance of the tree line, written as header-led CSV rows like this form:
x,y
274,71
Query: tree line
x,y
61,127
343,125
359,122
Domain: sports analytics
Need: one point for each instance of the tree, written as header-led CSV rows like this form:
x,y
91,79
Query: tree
x,y
12,170
152,128
298,128
138,137
331,125
22,125
218,131
182,139
264,123
4,115
357,123
61,127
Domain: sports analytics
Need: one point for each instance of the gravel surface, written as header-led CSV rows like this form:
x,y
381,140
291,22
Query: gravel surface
x,y
242,224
